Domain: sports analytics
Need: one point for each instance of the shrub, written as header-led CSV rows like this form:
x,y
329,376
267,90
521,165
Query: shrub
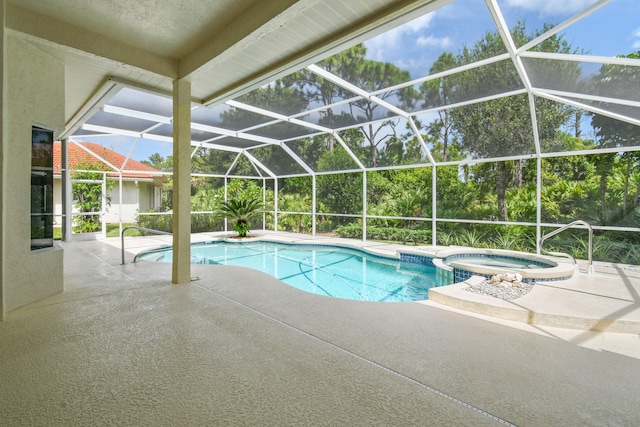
x,y
354,231
200,223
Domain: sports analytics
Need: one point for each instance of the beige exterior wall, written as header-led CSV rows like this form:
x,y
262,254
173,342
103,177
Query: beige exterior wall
x,y
2,108
137,196
33,95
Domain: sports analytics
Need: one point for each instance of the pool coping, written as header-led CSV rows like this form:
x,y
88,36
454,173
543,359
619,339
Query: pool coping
x,y
596,313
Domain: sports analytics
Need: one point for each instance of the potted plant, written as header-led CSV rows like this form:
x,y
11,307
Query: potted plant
x,y
240,211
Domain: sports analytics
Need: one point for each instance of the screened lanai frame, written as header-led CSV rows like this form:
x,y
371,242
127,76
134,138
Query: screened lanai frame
x,y
144,113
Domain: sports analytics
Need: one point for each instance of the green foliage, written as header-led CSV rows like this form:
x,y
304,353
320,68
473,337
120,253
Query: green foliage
x,y
242,227
158,162
87,198
605,248
502,127
506,241
570,191
446,238
511,237
240,211
153,221
387,234
298,223
166,165
164,222
341,192
603,189
206,199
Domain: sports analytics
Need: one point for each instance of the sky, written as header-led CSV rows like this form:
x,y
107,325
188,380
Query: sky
x,y
612,30
609,31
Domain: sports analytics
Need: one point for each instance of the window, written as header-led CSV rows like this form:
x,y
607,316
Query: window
x,y
41,188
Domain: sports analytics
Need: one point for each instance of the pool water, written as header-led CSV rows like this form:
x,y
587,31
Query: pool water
x,y
323,270
489,260
498,262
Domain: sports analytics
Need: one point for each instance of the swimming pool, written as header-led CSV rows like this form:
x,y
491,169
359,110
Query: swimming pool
x,y
324,270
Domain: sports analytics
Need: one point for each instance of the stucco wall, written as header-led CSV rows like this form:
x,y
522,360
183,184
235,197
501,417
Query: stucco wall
x,y
130,200
135,198
2,108
34,95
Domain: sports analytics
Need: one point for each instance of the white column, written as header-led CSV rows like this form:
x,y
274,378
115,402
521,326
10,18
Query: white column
x,y
264,203
434,204
103,208
364,205
67,195
313,205
2,154
275,204
181,272
226,223
538,202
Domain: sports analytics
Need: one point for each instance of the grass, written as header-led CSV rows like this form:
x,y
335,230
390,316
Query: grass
x,y
114,231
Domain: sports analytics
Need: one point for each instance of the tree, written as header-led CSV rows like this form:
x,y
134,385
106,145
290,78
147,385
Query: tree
x,y
339,192
373,76
392,153
280,96
156,161
438,93
88,197
614,81
352,66
323,92
502,127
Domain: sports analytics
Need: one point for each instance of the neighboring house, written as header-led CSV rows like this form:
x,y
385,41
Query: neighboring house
x,y
141,192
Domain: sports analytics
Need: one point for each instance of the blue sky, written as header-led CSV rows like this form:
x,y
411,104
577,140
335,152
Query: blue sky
x,y
122,144
612,30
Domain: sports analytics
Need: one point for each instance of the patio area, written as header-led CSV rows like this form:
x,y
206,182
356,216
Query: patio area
x,y
124,346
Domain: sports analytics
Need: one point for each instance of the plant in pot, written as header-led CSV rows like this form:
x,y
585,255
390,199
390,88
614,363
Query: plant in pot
x,y
240,211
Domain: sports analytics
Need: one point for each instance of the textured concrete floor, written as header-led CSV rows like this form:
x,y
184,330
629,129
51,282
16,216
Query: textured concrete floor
x,y
124,346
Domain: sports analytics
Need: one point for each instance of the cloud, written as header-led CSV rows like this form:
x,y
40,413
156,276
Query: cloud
x,y
551,7
636,39
394,38
441,42
401,37
418,24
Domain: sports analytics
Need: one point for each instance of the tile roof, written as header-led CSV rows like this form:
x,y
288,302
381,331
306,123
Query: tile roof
x,y
79,157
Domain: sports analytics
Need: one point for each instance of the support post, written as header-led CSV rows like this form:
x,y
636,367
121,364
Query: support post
x,y
434,205
538,203
226,223
67,195
181,272
364,205
120,200
2,183
264,203
313,205
103,207
275,204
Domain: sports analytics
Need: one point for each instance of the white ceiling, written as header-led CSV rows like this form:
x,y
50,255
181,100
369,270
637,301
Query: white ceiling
x,y
224,47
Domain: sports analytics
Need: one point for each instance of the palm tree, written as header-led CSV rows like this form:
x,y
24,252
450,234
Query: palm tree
x,y
240,211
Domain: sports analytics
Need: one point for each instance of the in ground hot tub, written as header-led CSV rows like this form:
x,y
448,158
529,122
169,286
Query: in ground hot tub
x,y
458,264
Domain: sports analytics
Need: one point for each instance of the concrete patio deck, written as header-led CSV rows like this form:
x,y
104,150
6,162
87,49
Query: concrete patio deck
x,y
124,346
